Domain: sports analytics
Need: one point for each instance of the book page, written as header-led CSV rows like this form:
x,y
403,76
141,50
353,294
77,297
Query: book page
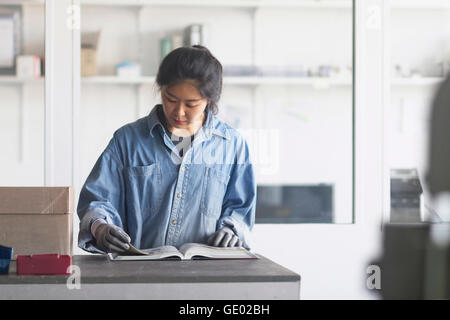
x,y
190,250
162,252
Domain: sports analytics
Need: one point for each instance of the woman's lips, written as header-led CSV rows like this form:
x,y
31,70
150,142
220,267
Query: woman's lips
x,y
179,122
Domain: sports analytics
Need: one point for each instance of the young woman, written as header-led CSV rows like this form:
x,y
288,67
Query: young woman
x,y
175,176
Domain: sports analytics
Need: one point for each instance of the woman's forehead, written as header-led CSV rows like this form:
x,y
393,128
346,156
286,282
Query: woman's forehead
x,y
185,90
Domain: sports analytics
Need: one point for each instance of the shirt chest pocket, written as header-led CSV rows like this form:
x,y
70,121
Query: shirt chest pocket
x,y
213,191
143,189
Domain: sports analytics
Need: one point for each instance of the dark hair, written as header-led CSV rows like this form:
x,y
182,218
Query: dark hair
x,y
196,63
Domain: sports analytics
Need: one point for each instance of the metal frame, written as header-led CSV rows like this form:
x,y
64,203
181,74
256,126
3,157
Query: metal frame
x,y
60,98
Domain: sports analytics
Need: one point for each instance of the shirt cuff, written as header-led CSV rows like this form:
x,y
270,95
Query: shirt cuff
x,y
86,240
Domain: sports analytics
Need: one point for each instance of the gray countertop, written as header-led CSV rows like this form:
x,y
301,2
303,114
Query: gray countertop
x,y
99,269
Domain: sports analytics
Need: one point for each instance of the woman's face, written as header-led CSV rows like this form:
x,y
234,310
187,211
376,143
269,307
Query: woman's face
x,y
183,108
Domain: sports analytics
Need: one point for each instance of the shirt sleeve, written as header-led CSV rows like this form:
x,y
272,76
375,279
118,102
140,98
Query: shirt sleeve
x,y
102,197
238,208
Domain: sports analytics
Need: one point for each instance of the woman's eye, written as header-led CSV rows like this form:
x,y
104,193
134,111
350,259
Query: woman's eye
x,y
189,106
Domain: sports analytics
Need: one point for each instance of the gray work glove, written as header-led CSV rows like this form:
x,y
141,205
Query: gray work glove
x,y
111,238
224,237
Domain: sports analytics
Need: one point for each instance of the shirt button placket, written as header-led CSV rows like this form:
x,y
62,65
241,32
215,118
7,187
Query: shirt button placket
x,y
174,222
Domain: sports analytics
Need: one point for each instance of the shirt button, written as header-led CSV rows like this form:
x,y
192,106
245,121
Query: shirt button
x,y
174,221
183,169
179,195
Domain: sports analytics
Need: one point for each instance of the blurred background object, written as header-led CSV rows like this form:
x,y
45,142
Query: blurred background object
x,y
415,262
406,196
89,44
10,37
439,150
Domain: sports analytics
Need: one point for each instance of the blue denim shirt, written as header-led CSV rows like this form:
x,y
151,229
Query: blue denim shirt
x,y
141,184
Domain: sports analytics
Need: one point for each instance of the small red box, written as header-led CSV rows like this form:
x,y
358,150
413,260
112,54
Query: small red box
x,y
43,264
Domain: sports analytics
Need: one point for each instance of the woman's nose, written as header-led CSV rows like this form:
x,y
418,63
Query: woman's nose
x,y
180,109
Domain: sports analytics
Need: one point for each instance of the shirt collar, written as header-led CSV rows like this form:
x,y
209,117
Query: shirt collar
x,y
212,124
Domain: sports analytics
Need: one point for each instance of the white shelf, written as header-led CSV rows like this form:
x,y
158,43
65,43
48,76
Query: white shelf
x,y
23,2
251,81
419,4
394,4
225,3
417,81
307,81
117,80
18,80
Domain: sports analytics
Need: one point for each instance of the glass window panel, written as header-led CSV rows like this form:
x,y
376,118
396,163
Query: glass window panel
x,y
288,84
22,50
420,58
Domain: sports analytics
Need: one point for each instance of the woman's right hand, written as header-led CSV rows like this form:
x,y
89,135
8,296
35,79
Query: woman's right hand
x,y
111,238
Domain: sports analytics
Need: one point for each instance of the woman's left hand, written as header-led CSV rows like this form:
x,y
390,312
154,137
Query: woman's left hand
x,y
224,237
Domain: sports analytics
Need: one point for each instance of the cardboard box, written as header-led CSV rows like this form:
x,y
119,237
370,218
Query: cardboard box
x,y
37,220
89,43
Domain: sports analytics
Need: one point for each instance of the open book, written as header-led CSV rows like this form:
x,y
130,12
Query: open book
x,y
188,251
